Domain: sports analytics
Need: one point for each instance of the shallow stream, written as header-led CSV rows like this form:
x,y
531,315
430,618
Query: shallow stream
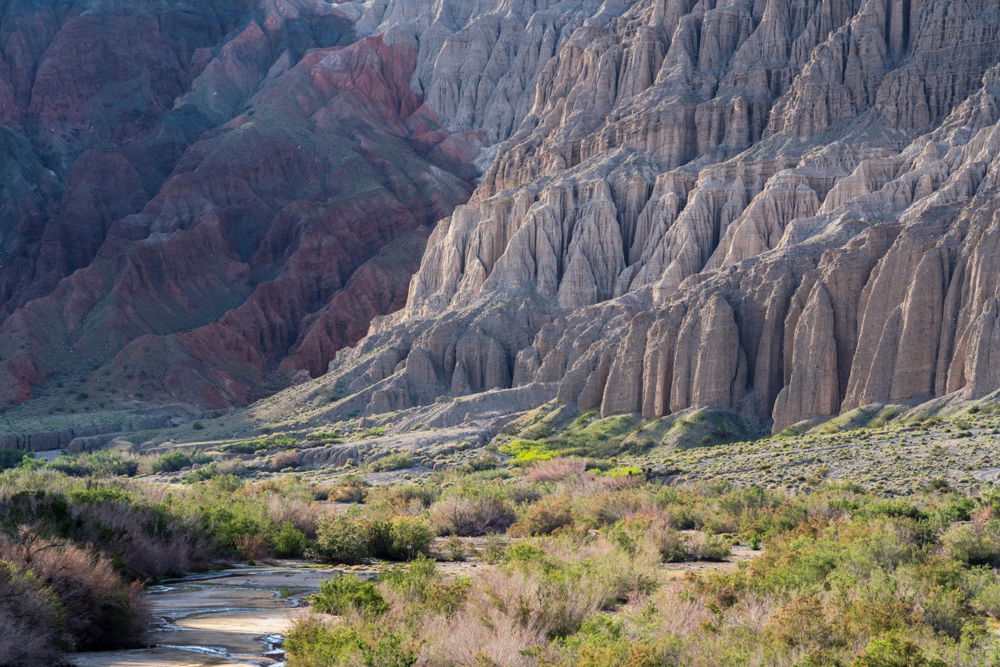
x,y
237,616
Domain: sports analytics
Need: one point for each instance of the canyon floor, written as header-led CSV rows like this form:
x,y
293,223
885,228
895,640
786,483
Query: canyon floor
x,y
239,615
891,449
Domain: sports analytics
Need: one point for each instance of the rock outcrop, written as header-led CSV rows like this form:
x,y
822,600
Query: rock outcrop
x,y
205,201
776,208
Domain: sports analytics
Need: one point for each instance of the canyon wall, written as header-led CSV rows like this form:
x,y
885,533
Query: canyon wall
x,y
203,202
784,209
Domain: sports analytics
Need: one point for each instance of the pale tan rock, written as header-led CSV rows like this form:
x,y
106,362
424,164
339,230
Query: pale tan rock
x,y
813,387
780,209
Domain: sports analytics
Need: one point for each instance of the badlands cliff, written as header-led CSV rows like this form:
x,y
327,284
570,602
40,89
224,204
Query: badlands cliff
x,y
782,208
785,209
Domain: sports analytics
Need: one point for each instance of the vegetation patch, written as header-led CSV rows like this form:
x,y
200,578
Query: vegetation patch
x,y
260,446
177,460
703,428
552,433
871,546
526,452
873,417
393,462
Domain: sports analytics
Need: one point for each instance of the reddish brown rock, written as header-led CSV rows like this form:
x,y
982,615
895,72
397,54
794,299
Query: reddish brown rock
x,y
261,192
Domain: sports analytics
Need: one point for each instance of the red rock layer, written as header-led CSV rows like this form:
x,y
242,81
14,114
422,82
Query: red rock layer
x,y
205,201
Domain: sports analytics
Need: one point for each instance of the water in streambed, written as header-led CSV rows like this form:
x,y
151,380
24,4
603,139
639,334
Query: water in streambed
x,y
230,617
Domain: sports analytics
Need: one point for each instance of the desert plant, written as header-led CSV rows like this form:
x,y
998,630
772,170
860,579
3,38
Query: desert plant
x,y
312,642
340,539
555,470
349,491
99,609
704,546
11,458
472,513
171,462
392,462
545,516
348,593
31,618
669,543
288,541
974,544
455,549
399,538
284,460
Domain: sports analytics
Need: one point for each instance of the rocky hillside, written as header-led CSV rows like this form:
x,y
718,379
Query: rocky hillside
x,y
203,201
786,209
782,208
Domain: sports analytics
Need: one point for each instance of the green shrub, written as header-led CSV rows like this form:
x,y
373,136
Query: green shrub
x,y
447,597
601,640
703,546
389,650
894,650
259,446
399,538
412,580
69,465
545,516
111,464
348,593
392,462
202,474
329,437
100,494
232,525
287,541
455,550
99,464
201,458
523,552
974,544
408,538
11,458
480,464
377,535
341,540
171,462
313,643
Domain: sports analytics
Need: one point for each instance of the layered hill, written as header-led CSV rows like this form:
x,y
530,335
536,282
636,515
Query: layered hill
x,y
204,201
779,208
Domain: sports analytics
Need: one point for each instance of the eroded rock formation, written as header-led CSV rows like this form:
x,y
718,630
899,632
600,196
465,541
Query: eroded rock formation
x,y
205,201
779,208
776,207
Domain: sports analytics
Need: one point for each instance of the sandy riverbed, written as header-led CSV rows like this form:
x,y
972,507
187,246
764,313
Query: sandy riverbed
x,y
230,617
